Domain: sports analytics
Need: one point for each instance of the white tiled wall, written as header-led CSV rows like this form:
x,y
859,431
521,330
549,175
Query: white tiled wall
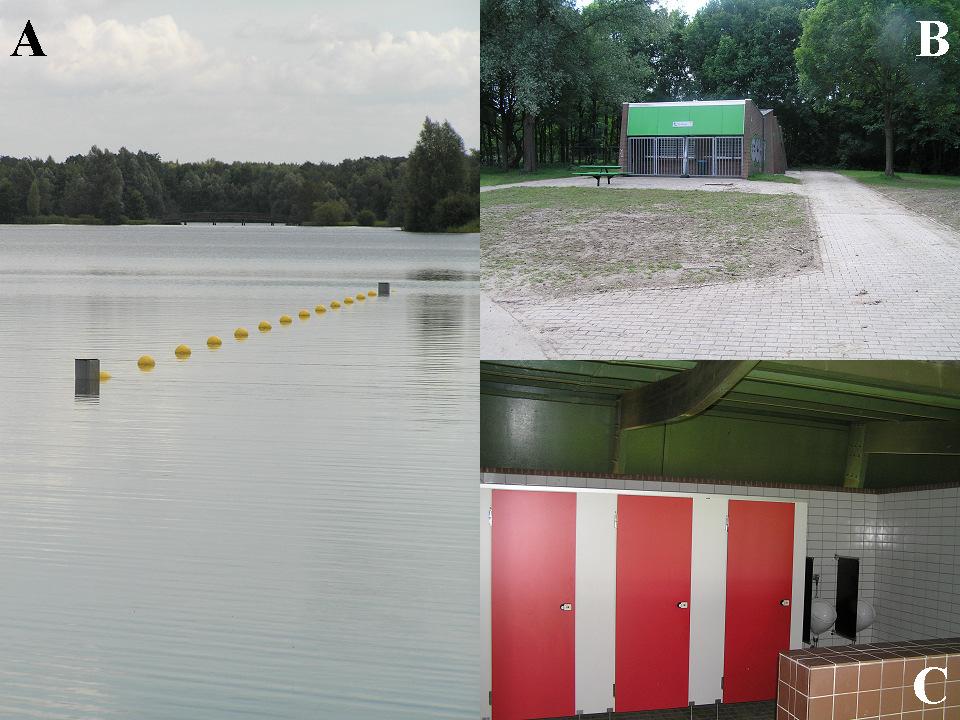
x,y
918,565
908,544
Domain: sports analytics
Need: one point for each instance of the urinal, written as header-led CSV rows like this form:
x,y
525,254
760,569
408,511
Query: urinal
x,y
865,615
822,617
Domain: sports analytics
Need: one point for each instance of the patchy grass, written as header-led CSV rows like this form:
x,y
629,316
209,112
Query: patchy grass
x,y
936,196
910,181
495,176
538,242
773,177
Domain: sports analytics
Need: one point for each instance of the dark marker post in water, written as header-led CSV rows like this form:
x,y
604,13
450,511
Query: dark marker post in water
x,y
86,377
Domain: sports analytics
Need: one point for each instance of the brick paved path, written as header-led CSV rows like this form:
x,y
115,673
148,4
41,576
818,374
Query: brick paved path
x,y
908,266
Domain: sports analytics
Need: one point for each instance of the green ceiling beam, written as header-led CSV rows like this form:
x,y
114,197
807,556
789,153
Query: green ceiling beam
x,y
856,470
683,395
913,438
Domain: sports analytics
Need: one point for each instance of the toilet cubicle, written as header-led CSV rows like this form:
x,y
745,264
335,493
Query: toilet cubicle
x,y
608,599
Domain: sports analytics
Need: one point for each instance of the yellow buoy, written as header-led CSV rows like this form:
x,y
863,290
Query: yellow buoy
x,y
214,342
264,326
335,305
285,320
372,293
304,314
146,363
182,351
348,301
240,333
104,376
319,309
361,296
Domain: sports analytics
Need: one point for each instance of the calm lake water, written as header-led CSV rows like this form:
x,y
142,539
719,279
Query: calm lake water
x,y
283,528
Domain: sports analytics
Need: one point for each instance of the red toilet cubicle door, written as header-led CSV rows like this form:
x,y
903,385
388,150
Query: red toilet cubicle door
x,y
759,580
533,559
654,536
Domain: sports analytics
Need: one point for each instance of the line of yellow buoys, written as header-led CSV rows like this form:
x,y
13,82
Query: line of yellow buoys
x,y
146,363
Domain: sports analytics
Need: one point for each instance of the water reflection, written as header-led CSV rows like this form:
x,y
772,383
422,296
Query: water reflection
x,y
442,275
279,529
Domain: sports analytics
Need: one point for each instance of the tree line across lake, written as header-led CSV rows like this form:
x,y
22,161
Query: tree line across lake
x,y
434,189
842,75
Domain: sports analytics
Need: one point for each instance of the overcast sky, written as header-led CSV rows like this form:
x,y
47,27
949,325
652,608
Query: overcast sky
x,y
287,80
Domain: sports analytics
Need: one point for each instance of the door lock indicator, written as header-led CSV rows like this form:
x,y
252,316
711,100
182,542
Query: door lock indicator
x,y
683,605
785,603
567,606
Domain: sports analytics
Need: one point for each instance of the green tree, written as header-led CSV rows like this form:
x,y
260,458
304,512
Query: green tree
x,y
456,211
8,201
435,169
33,199
863,54
330,212
136,205
527,54
366,217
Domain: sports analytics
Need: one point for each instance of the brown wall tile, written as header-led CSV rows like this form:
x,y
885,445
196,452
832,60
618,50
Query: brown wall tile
x,y
845,706
783,695
935,690
821,681
802,681
953,667
953,693
821,708
910,699
915,715
846,679
933,714
868,704
870,676
803,702
890,701
782,714
892,676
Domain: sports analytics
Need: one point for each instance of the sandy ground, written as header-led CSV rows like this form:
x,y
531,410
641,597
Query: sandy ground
x,y
556,252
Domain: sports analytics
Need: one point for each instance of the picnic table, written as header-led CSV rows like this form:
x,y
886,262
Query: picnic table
x,y
600,171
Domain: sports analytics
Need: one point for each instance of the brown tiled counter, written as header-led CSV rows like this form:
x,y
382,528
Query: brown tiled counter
x,y
860,682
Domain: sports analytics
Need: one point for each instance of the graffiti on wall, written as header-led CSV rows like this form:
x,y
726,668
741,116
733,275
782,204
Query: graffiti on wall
x,y
756,151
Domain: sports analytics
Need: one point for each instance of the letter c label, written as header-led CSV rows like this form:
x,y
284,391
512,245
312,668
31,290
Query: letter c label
x,y
921,691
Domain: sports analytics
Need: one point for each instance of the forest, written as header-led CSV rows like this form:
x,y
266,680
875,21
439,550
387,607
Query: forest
x,y
843,77
435,188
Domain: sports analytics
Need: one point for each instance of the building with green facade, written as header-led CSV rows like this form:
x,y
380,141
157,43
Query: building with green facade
x,y
721,138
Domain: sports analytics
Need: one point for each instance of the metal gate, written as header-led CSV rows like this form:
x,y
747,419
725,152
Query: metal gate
x,y
729,156
693,156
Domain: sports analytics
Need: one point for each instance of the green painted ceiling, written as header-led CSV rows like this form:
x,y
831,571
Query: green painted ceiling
x,y
805,408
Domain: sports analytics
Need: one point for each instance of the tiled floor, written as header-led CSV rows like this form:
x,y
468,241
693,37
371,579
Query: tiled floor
x,y
766,710
890,288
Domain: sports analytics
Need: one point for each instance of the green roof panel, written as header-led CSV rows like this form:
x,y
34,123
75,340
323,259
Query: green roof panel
x,y
679,119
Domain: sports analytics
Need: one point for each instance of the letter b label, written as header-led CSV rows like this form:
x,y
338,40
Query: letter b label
x,y
927,38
